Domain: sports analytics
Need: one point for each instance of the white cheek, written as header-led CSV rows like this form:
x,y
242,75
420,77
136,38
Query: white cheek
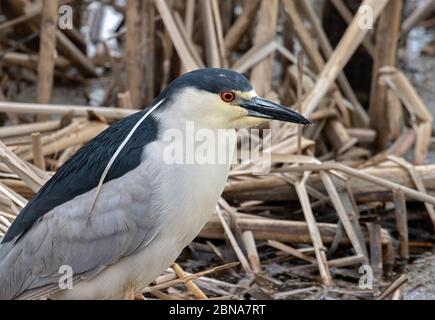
x,y
233,112
249,122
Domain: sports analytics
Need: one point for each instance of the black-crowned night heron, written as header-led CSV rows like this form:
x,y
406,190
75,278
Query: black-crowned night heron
x,y
119,233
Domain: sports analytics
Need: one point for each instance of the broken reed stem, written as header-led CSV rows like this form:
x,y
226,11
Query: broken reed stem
x,y
336,263
374,229
352,38
124,100
299,95
219,33
401,223
189,17
174,33
47,51
52,109
38,154
327,50
239,253
133,52
420,116
251,250
21,168
81,61
16,198
314,233
418,182
197,292
172,283
261,75
360,175
29,128
82,135
163,296
211,45
387,36
149,50
342,214
241,25
395,285
291,251
18,20
347,16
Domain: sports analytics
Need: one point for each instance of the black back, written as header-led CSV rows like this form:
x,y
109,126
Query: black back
x,y
83,171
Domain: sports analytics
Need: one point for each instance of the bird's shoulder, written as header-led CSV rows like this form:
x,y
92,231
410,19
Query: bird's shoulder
x,y
82,172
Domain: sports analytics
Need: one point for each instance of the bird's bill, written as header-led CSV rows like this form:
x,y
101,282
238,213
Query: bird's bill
x,y
262,108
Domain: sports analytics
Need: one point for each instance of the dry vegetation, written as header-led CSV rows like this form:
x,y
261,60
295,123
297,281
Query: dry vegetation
x,y
340,194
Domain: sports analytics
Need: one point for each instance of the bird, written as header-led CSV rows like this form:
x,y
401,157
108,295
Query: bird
x,y
117,214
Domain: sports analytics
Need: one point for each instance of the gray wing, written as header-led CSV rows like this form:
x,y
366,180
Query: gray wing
x,y
82,172
120,224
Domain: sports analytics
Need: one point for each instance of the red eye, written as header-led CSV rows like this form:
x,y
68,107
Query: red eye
x,y
228,96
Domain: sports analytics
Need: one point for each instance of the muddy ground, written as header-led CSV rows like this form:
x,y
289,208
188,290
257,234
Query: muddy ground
x,y
421,71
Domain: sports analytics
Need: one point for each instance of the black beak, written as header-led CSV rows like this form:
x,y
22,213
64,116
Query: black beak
x,y
262,108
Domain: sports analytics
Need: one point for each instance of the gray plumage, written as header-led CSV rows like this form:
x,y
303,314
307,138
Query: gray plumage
x,y
117,227
83,170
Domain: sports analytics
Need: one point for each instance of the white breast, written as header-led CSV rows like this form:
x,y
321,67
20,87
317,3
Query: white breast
x,y
189,192
186,196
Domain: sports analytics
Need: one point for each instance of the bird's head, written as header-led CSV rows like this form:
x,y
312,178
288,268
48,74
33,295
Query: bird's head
x,y
221,98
